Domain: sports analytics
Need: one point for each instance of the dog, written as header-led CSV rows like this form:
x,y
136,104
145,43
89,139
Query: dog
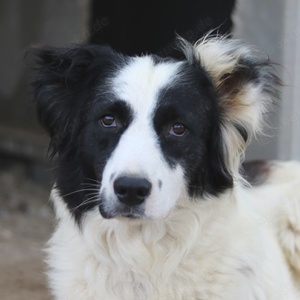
x,y
149,196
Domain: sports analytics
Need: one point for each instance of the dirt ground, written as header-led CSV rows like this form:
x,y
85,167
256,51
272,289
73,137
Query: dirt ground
x,y
25,226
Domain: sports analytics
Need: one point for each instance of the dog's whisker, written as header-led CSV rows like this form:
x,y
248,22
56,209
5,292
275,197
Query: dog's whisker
x,y
93,180
86,202
80,191
92,185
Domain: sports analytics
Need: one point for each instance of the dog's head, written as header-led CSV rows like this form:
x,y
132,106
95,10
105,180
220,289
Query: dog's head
x,y
135,135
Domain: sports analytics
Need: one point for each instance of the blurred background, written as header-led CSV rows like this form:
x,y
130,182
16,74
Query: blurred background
x,y
133,27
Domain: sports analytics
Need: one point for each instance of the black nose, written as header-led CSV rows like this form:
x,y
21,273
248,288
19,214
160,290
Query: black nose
x,y
132,191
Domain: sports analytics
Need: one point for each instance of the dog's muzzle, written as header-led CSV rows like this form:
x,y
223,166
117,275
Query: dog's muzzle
x,y
130,195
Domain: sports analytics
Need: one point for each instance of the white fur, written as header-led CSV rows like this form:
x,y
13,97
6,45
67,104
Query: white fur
x,y
280,208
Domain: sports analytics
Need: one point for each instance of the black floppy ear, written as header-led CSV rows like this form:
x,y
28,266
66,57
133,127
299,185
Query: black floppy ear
x,y
246,86
60,76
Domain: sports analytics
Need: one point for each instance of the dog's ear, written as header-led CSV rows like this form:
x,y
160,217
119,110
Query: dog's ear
x,y
246,86
60,75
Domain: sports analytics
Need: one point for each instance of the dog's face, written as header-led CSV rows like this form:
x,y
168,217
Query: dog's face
x,y
136,135
146,136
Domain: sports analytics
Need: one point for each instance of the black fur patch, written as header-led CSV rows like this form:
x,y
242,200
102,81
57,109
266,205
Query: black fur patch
x,y
192,102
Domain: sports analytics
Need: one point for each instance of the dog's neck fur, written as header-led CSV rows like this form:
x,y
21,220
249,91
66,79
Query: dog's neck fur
x,y
154,250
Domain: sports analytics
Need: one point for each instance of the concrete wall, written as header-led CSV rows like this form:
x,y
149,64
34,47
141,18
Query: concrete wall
x,y
23,24
274,27
261,23
289,138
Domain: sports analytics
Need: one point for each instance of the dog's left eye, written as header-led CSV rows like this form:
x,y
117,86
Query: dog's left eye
x,y
108,121
178,129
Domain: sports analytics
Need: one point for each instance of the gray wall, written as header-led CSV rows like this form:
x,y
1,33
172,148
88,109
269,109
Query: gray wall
x,y
23,24
261,23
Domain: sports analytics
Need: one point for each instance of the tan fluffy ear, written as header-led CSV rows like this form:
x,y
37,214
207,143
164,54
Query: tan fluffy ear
x,y
246,86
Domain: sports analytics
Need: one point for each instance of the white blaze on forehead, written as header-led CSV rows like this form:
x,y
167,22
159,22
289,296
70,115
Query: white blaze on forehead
x,y
139,84
141,80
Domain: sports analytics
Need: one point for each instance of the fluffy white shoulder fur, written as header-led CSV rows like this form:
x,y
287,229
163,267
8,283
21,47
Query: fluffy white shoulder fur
x,y
216,249
279,207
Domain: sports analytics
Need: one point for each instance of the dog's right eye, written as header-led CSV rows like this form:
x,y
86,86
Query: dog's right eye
x,y
108,121
178,129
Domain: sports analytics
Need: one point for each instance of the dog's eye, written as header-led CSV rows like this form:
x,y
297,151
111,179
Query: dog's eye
x,y
108,121
178,129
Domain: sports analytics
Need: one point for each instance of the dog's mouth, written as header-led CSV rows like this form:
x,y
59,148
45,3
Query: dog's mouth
x,y
123,212
130,216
